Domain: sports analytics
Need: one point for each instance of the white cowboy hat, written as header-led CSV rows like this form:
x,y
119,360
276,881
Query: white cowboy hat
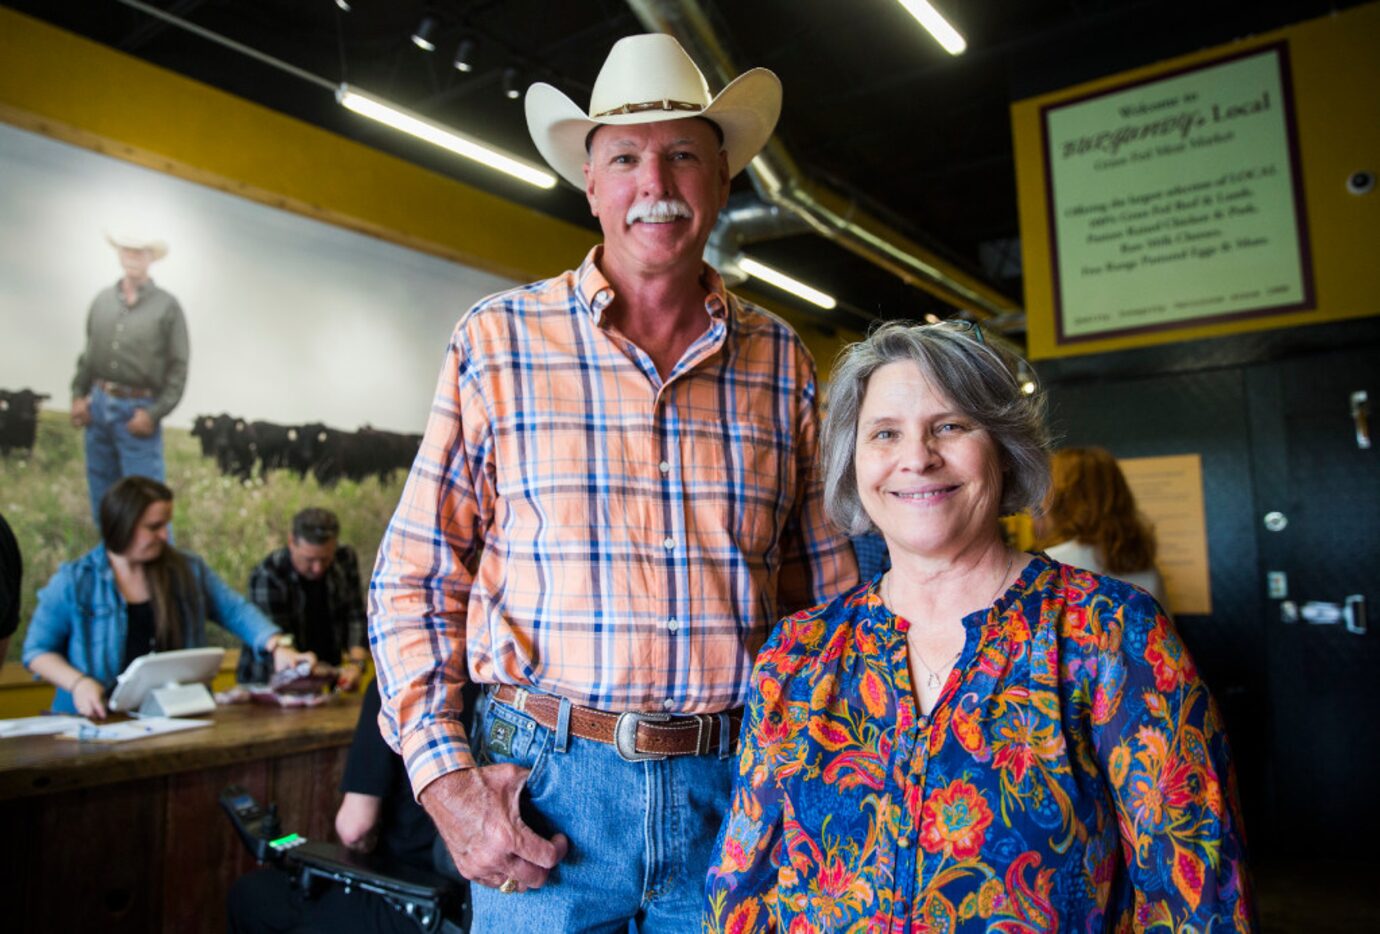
x,y
129,240
646,79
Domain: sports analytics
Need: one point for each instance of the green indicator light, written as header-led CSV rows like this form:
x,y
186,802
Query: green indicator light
x,y
283,841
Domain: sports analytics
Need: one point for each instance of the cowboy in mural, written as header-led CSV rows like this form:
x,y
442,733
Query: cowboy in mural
x,y
614,500
132,371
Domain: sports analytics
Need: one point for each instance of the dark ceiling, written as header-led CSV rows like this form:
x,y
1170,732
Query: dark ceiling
x,y
873,106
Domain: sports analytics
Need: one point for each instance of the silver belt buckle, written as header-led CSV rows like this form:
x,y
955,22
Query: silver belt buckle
x,y
625,735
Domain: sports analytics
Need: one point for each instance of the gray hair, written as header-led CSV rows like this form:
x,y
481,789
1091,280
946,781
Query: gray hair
x,y
981,380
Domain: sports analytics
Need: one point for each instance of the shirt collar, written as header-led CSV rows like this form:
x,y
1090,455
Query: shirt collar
x,y
596,293
139,292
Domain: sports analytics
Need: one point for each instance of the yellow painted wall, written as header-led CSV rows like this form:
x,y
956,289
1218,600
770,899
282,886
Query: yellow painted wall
x,y
66,87
1336,70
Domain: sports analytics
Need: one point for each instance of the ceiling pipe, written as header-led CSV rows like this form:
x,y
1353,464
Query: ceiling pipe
x,y
838,217
747,219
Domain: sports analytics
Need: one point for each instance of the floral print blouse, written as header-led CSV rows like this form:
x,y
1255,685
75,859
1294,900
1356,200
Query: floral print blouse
x,y
1073,775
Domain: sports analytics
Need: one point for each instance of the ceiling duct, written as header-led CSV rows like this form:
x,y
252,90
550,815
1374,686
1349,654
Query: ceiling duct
x,y
838,217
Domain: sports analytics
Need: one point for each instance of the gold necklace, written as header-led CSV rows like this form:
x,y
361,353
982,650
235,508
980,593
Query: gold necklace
x,y
933,681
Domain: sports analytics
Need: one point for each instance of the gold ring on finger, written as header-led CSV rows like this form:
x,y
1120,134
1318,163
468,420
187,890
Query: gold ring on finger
x,y
508,887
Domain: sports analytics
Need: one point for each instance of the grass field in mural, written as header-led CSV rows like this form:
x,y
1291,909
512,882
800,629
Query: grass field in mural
x,y
231,525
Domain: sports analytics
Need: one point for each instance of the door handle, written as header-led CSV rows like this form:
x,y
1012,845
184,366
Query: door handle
x,y
1360,414
1351,611
1355,614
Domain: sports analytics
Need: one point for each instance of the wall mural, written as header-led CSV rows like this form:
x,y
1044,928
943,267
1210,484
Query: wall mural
x,y
291,323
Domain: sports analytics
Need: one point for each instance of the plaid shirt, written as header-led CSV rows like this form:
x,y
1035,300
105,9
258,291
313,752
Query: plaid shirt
x,y
276,588
577,526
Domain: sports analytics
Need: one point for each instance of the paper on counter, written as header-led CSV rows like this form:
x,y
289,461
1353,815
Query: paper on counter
x,y
143,728
39,726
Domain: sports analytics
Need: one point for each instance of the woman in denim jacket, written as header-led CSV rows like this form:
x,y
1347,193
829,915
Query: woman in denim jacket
x,y
131,595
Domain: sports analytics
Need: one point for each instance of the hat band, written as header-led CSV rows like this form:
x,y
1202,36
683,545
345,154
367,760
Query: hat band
x,y
667,105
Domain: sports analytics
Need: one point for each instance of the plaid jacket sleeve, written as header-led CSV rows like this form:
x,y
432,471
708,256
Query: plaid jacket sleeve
x,y
271,594
351,598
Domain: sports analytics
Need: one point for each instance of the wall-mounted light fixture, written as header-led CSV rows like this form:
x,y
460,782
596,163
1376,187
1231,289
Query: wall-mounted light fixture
x,y
464,56
785,282
936,25
423,35
399,119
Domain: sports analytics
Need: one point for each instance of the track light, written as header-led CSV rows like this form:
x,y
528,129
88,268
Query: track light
x,y
785,282
936,25
344,5
1026,379
510,84
464,56
422,37
391,115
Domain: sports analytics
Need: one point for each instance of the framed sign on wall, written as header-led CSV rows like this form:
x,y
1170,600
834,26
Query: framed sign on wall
x,y
1177,200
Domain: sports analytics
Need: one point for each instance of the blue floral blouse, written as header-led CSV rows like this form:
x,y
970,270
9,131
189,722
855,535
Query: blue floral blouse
x,y
1073,775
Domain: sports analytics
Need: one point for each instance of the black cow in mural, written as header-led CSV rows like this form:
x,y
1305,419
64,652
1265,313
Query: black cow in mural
x,y
365,453
19,419
276,447
328,454
229,440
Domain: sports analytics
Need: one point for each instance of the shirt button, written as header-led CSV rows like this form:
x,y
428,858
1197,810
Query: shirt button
x,y
669,543
114,364
665,466
672,625
120,326
667,704
114,345
903,843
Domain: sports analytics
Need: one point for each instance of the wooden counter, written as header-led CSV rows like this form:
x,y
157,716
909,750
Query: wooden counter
x,y
130,837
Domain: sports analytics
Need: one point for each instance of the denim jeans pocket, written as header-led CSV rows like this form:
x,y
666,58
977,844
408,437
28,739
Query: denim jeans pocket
x,y
509,737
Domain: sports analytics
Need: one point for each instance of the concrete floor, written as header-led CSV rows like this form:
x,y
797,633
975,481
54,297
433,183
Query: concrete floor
x,y
1318,897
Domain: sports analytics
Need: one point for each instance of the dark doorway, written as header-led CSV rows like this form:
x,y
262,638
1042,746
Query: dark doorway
x,y
1270,416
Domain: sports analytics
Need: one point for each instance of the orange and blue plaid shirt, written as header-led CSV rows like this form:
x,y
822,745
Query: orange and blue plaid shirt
x,y
575,525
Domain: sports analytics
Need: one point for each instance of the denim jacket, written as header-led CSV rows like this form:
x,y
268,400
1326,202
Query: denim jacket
x,y
82,616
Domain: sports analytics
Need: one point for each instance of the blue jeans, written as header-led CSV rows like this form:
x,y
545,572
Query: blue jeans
x,y
641,833
112,452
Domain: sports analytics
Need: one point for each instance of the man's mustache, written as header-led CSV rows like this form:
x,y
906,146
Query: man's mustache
x,y
666,209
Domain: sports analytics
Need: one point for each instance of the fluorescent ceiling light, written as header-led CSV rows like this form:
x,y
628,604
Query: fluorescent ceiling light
x,y
936,25
785,282
399,119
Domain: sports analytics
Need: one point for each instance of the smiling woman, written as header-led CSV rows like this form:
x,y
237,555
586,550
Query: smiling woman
x,y
979,739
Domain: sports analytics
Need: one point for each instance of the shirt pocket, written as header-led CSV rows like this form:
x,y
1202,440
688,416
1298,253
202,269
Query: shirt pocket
x,y
740,478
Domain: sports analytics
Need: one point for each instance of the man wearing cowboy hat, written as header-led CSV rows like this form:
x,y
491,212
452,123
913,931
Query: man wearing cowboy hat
x,y
131,372
614,500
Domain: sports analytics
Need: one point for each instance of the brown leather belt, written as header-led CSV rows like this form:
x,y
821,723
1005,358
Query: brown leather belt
x,y
121,391
635,735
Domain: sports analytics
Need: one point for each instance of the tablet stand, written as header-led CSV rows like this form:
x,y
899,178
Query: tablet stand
x,y
177,700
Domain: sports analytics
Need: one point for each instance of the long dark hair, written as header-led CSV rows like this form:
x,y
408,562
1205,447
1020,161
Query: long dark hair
x,y
1091,502
169,577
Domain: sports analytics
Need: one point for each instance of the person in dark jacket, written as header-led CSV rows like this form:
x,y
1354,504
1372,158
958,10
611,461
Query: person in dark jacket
x,y
311,591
